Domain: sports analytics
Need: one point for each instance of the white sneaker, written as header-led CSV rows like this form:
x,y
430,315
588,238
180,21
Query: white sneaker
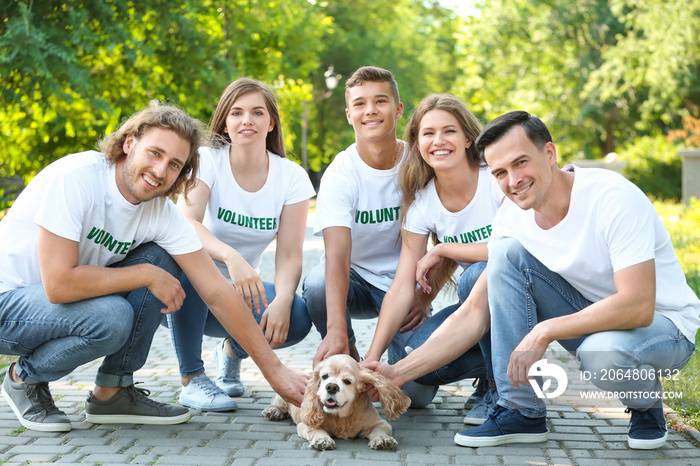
x,y
201,393
229,371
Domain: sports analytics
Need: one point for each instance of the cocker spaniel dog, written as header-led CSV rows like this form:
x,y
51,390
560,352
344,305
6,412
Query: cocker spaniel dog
x,y
335,405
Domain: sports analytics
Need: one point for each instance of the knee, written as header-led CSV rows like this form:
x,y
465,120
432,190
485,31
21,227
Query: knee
x,y
112,329
503,255
314,290
598,355
159,257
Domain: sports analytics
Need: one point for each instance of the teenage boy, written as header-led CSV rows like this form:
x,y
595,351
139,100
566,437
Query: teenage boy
x,y
578,256
96,256
357,213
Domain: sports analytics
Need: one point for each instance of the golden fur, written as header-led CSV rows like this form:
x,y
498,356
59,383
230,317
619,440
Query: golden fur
x,y
335,404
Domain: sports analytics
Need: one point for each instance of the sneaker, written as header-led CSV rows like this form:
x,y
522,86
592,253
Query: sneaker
x,y
647,429
504,426
229,371
480,413
34,406
481,386
202,393
131,405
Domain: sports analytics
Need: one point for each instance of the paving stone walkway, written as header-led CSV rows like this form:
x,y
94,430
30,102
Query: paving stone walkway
x,y
581,433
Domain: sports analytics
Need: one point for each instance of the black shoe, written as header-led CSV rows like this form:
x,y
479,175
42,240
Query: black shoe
x,y
131,405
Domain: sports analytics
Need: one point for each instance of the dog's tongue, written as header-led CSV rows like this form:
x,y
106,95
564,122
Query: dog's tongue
x,y
330,403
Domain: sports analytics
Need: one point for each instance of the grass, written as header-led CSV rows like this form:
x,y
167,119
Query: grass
x,y
683,222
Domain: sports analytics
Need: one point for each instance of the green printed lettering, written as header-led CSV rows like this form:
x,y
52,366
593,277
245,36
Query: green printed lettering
x,y
227,216
110,243
388,214
471,236
221,212
93,232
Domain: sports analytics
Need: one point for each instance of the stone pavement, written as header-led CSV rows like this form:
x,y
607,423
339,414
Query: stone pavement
x,y
581,433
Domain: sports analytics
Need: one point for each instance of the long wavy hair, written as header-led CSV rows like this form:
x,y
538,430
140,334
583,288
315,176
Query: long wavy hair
x,y
164,116
415,172
274,142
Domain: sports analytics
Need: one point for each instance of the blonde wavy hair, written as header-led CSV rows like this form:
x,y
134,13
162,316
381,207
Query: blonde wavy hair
x,y
415,173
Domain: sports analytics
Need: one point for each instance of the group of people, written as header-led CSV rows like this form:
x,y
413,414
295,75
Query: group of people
x,y
98,257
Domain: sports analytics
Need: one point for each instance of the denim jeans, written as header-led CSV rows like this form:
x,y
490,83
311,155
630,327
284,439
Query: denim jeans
x,y
54,339
189,325
523,292
364,302
469,365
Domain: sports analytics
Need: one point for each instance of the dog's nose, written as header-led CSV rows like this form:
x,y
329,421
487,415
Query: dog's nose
x,y
332,388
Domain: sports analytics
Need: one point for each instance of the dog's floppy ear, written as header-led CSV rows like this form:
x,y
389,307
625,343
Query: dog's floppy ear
x,y
311,409
394,401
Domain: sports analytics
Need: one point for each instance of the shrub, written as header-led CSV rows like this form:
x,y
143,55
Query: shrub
x,y
654,165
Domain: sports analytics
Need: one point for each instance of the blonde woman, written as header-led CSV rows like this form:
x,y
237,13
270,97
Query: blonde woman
x,y
449,195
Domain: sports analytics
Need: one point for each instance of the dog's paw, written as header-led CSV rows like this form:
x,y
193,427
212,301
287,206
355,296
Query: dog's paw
x,y
323,442
272,413
383,442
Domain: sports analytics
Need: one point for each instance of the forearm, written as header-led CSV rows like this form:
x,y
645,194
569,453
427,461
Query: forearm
x,y
88,281
473,252
217,249
230,310
337,286
457,334
395,308
631,307
287,275
460,332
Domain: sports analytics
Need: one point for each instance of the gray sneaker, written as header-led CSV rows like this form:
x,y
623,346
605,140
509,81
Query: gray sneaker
x,y
34,406
228,370
131,405
479,414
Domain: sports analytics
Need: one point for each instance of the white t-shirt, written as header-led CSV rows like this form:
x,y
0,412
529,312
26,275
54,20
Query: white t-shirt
x,y
354,195
77,198
470,225
610,225
248,222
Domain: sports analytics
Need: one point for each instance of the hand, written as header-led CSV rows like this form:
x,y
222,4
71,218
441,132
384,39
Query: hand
x,y
331,345
275,323
529,351
416,316
247,282
386,370
167,289
425,268
289,384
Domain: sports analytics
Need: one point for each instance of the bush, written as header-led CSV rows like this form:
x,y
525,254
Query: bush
x,y
654,165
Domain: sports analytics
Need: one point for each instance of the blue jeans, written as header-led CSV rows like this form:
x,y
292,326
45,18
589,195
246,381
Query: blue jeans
x,y
523,292
54,339
470,365
364,302
194,320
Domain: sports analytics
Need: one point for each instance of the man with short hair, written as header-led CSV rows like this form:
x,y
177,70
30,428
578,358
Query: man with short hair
x,y
96,256
579,256
357,213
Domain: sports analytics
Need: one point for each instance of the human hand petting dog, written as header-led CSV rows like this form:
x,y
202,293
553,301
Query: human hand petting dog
x,y
384,369
336,405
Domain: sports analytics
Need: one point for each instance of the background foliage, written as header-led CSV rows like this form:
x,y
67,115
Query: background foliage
x,y
606,75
